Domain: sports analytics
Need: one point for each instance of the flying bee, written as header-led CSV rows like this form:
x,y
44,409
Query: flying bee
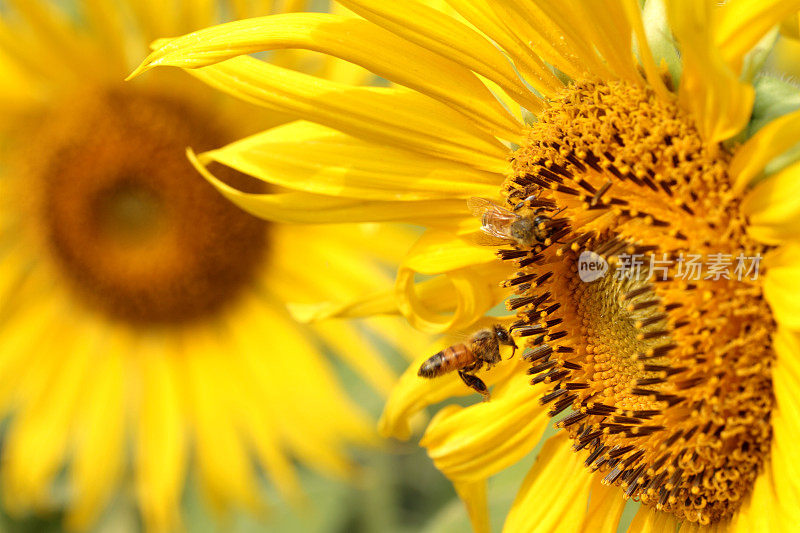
x,y
483,348
502,226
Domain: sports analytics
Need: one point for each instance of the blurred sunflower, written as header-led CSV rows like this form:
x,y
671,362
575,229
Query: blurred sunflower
x,y
142,320
629,132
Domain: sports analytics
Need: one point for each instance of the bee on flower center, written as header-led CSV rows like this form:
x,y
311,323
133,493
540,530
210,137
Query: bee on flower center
x,y
502,226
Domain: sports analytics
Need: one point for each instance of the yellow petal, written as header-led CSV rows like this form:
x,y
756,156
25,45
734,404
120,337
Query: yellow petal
x,y
477,442
358,353
784,473
308,208
390,328
160,435
156,19
786,383
482,15
36,442
773,207
366,44
99,449
51,26
786,423
782,286
334,68
772,140
387,115
355,284
448,302
473,272
386,242
760,512
437,251
223,464
471,291
649,520
443,34
316,420
602,26
606,504
22,337
197,13
108,28
709,89
473,494
654,77
29,46
379,303
347,275
262,427
551,33
411,394
555,492
312,158
740,24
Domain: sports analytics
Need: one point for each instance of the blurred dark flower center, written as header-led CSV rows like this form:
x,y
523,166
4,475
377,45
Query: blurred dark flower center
x,y
139,234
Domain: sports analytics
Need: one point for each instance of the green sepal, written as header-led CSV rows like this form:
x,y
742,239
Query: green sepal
x,y
660,38
775,97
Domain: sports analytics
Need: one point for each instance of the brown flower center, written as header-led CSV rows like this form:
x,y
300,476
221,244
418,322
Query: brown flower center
x,y
663,370
130,223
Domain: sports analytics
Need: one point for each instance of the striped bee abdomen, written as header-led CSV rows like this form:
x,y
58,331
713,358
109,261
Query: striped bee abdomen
x,y
450,359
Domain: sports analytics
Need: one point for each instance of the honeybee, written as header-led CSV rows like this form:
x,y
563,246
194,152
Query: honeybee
x,y
483,348
503,226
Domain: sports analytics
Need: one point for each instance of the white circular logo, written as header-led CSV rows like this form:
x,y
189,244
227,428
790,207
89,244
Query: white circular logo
x,y
591,266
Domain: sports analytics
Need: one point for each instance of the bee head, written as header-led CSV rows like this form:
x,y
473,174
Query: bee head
x,y
504,337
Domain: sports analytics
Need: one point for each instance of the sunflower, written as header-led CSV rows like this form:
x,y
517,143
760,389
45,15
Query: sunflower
x,y
596,127
143,331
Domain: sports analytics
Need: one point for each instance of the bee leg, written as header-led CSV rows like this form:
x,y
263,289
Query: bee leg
x,y
524,202
475,383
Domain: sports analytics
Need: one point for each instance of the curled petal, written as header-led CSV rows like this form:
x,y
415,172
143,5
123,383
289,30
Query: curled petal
x,y
471,292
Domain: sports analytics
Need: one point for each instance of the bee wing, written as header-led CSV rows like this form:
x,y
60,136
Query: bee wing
x,y
478,206
460,336
495,222
489,238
